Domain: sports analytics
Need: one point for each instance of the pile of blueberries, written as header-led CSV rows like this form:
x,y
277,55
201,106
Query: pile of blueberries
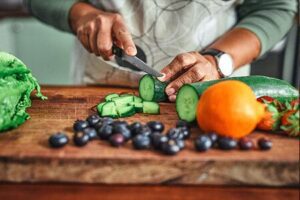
x,y
147,136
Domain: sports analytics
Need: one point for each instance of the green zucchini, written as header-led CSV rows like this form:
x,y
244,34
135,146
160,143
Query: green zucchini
x,y
188,94
150,107
110,96
151,89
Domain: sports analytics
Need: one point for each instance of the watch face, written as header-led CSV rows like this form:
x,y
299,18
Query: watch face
x,y
226,64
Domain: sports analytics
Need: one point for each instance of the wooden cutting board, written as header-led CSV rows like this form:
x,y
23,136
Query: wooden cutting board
x,y
26,157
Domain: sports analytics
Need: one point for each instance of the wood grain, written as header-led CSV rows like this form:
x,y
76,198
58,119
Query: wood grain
x,y
26,156
134,192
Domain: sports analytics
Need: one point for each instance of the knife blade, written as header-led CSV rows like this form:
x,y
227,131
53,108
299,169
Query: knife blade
x,y
135,61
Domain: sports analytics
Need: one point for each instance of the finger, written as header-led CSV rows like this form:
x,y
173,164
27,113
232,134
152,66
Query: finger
x,y
93,30
172,98
124,37
83,38
179,63
194,74
104,38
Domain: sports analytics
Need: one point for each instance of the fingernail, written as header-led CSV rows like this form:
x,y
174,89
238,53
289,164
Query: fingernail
x,y
131,51
172,98
170,91
162,78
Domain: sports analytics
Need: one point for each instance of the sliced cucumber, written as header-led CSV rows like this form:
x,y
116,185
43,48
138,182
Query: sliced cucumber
x,y
137,99
109,110
150,107
124,100
100,106
124,95
110,96
126,111
138,106
186,103
151,89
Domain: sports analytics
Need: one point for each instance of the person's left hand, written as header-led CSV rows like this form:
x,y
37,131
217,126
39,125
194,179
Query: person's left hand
x,y
188,68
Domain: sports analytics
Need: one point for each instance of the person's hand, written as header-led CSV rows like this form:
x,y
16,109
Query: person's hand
x,y
188,68
98,30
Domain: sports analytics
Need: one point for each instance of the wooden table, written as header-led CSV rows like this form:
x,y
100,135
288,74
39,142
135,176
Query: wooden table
x,y
29,169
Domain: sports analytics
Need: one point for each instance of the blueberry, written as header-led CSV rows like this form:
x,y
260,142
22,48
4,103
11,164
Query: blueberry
x,y
107,120
156,126
203,143
180,143
264,144
120,123
58,140
79,125
91,132
80,138
186,133
123,130
182,123
145,130
170,147
135,128
141,141
105,132
175,133
93,119
226,143
98,125
213,136
246,144
117,140
157,139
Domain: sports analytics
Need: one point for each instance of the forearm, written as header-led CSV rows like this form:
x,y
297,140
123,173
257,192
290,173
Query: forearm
x,y
54,12
243,45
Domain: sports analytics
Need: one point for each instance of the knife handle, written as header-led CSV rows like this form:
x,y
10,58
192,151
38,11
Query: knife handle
x,y
117,50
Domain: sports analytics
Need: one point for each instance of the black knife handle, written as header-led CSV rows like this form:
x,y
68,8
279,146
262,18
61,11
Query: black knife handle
x,y
117,51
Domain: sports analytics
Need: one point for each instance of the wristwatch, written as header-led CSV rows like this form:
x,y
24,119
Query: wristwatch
x,y
224,61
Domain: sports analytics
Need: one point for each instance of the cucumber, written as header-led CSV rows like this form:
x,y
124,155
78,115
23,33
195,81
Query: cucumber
x,y
138,106
151,89
188,94
126,111
124,100
137,99
109,110
150,107
100,106
110,96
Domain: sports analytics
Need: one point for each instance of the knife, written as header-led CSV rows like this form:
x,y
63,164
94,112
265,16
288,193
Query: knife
x,y
135,61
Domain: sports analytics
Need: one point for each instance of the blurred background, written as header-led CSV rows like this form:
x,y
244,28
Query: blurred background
x,y
47,51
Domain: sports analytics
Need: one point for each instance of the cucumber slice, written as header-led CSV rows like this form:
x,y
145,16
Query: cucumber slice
x,y
100,106
151,89
124,100
186,103
126,111
124,95
138,106
109,110
150,107
137,99
110,96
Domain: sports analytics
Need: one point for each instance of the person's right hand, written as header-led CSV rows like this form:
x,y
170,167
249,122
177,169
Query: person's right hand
x,y
98,30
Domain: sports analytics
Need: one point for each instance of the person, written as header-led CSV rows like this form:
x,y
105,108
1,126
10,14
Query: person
x,y
187,40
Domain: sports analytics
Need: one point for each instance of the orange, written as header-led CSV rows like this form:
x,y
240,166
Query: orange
x,y
229,108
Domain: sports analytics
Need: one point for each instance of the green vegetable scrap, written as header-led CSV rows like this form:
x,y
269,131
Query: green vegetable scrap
x,y
16,85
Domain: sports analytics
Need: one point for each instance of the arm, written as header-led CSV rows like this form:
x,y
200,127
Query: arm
x,y
95,29
54,12
262,24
